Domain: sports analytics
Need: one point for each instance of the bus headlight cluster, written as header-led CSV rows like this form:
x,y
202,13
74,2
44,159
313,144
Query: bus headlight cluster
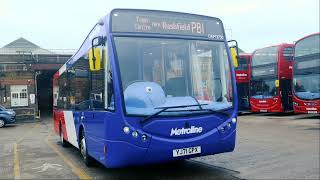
x,y
134,134
228,125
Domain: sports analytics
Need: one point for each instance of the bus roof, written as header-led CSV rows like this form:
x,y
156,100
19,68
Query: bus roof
x,y
278,45
318,33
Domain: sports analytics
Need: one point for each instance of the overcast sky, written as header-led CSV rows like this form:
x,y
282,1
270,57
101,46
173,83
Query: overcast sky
x,y
63,24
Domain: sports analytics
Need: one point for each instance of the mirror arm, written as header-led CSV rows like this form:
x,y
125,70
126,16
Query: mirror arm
x,y
92,49
237,48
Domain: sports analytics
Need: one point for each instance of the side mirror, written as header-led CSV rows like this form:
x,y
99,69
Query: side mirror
x,y
234,56
95,53
95,59
276,83
234,50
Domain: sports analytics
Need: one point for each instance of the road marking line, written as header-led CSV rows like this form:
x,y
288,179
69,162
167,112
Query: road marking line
x,y
75,169
16,162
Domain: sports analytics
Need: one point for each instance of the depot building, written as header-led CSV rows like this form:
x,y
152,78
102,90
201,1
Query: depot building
x,y
26,72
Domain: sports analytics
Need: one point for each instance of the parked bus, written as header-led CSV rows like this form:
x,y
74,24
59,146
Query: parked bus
x,y
271,79
242,72
306,75
148,87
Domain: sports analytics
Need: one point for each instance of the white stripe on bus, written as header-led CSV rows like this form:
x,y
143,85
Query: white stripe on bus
x,y
70,127
62,69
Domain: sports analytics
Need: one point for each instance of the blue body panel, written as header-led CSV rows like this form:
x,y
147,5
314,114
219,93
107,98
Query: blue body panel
x,y
108,144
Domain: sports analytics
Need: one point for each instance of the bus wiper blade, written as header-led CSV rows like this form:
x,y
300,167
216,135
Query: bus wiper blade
x,y
163,109
218,111
207,110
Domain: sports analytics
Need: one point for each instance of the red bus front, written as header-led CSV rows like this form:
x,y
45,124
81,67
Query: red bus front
x,y
243,69
271,78
306,82
243,78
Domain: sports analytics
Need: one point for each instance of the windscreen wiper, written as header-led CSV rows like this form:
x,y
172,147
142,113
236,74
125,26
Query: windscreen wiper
x,y
216,111
211,110
164,109
200,106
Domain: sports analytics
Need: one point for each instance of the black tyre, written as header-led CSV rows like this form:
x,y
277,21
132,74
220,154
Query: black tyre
x,y
63,142
2,123
83,150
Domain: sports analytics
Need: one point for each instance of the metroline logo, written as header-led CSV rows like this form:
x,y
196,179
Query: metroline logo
x,y
242,75
182,131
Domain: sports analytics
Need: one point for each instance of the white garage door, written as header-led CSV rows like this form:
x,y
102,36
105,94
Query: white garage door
x,y
19,95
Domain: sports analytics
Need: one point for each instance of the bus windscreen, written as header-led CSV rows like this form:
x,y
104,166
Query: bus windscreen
x,y
170,23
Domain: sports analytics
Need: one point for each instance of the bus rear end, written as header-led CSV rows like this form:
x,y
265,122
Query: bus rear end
x,y
306,74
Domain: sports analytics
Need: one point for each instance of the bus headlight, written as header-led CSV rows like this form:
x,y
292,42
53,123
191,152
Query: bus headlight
x,y
126,130
135,134
234,120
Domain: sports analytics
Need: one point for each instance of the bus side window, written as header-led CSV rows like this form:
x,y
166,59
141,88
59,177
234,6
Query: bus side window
x,y
101,93
110,94
80,84
97,85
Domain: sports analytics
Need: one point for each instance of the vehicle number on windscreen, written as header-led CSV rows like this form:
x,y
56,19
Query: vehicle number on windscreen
x,y
186,151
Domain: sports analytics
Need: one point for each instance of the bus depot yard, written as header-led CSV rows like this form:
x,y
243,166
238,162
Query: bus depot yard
x,y
152,94
268,146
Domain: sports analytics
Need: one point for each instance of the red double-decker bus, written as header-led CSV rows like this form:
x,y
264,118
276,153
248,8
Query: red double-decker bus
x,y
242,72
306,75
271,79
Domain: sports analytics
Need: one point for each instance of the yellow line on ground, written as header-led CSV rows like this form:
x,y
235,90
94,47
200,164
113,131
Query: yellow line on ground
x,y
16,162
75,169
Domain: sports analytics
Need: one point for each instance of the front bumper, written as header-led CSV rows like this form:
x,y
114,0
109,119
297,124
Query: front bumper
x,y
120,154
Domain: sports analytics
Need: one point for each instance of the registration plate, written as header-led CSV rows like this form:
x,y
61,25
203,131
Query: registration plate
x,y
186,151
263,110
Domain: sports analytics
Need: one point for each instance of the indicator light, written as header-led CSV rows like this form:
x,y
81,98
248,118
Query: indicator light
x,y
144,137
229,125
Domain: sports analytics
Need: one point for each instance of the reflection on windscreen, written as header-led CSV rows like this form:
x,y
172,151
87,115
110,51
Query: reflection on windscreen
x,y
170,72
307,86
264,88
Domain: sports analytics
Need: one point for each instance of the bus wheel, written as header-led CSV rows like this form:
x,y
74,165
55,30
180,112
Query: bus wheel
x,y
63,142
83,150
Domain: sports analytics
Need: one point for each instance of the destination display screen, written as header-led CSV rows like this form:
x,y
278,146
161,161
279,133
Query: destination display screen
x,y
142,21
264,71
